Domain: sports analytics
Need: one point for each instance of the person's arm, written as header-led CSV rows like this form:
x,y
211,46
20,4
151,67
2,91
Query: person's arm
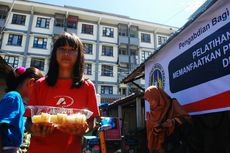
x,y
8,111
1,139
3,127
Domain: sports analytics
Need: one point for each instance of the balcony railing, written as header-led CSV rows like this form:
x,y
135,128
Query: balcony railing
x,y
134,41
2,22
123,59
72,30
123,40
58,30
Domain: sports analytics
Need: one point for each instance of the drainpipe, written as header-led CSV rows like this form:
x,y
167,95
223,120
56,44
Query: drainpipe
x,y
65,22
25,54
128,47
155,39
97,55
129,54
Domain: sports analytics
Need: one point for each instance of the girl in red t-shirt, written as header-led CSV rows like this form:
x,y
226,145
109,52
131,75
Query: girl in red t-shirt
x,y
64,86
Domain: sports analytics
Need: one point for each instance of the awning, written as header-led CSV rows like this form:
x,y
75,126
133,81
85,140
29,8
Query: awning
x,y
136,74
126,100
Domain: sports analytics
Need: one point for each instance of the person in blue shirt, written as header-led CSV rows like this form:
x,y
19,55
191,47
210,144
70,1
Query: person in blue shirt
x,y
12,110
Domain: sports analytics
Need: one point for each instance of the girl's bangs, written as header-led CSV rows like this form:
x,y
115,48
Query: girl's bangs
x,y
66,40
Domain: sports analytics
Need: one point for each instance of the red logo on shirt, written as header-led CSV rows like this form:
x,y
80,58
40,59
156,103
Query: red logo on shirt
x,y
64,101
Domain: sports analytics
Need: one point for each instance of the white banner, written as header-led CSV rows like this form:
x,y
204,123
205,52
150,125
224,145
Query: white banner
x,y
194,66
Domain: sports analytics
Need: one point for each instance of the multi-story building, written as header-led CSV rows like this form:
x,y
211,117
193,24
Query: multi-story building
x,y
114,44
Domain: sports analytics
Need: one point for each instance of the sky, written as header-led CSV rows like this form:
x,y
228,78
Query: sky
x,y
168,12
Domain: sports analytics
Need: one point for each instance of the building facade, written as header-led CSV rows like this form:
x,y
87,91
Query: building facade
x,y
114,44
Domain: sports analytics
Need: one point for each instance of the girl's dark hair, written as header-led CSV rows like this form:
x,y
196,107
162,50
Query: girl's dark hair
x,y
31,72
73,41
7,73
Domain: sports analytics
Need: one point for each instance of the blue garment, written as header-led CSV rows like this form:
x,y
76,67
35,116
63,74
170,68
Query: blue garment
x,y
11,113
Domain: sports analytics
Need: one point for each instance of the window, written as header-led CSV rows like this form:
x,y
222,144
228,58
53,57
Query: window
x,y
106,89
107,51
134,56
88,69
3,11
19,19
106,70
12,60
144,55
123,51
40,42
161,40
38,63
59,22
123,30
133,32
87,29
145,38
43,22
15,40
122,91
88,48
133,52
107,32
72,21
123,70
2,15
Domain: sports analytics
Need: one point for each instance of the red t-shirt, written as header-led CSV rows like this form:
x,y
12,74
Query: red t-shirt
x,y
61,95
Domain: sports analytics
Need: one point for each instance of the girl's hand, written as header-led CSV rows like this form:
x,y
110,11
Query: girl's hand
x,y
44,129
74,129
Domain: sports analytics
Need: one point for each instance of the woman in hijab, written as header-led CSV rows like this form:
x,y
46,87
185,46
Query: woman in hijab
x,y
164,116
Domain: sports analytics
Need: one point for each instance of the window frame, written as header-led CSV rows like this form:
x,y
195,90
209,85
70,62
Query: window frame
x,y
11,40
133,31
18,19
106,89
88,68
87,49
123,30
105,30
106,70
72,21
161,39
145,38
15,62
39,22
41,46
143,55
87,29
39,63
3,12
107,50
59,22
123,51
